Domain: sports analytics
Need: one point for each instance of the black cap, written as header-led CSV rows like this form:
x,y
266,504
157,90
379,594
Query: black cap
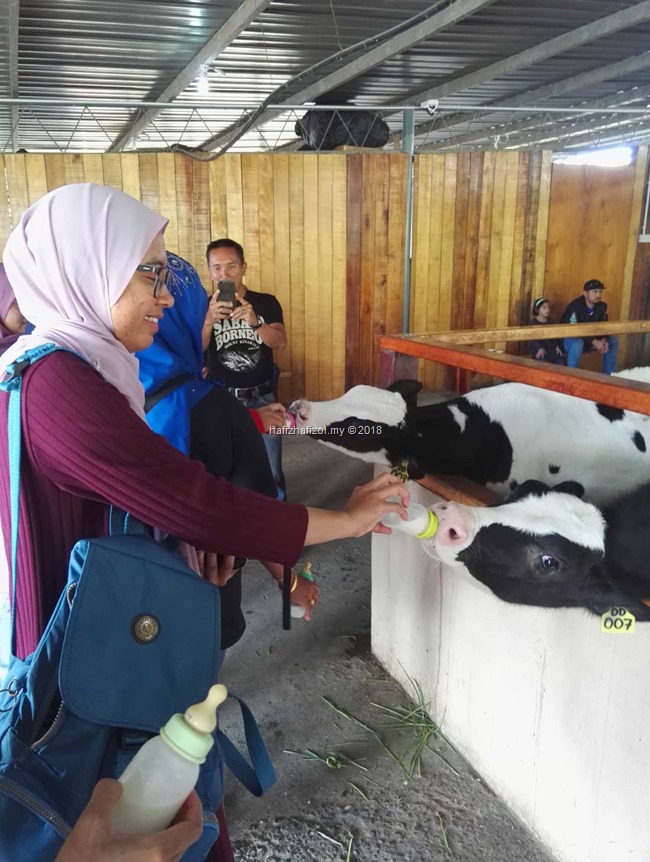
x,y
594,284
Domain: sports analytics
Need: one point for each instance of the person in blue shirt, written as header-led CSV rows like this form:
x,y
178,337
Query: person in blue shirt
x,y
589,308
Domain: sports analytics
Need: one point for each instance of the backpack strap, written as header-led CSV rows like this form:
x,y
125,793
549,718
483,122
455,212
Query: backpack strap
x,y
158,394
258,775
13,383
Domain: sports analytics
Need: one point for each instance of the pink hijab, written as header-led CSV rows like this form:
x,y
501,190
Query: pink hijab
x,y
69,260
7,299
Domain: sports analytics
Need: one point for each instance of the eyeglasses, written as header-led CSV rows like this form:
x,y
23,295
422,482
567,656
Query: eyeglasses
x,y
161,273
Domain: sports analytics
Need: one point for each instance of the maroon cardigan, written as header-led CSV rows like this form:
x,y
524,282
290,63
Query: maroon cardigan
x,y
83,449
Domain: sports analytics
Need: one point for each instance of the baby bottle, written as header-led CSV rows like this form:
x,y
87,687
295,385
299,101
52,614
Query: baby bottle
x,y
421,522
162,774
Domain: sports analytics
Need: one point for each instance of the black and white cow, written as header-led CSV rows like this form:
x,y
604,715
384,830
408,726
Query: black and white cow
x,y
499,436
552,549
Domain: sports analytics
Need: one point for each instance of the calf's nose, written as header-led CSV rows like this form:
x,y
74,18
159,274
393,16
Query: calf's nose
x,y
453,528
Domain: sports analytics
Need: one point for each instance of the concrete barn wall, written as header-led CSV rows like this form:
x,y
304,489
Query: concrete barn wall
x,y
552,713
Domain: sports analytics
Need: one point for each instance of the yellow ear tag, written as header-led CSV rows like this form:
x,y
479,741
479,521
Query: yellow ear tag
x,y
617,621
401,470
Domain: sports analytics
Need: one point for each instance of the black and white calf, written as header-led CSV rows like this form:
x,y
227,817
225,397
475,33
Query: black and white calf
x,y
500,436
552,549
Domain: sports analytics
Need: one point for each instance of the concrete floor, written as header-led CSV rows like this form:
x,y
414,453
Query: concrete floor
x,y
314,811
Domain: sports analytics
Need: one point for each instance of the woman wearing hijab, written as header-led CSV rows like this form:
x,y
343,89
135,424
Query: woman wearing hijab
x,y
88,268
209,424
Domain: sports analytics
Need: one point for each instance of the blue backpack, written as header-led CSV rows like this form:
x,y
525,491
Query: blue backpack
x,y
110,669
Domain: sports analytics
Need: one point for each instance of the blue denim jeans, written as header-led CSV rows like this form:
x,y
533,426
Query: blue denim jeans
x,y
273,444
575,346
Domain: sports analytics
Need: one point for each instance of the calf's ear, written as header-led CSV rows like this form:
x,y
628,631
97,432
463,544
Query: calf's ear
x,y
408,389
574,488
531,487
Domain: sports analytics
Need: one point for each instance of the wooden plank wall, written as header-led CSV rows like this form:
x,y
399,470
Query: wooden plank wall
x,y
288,211
593,232
479,242
376,210
325,234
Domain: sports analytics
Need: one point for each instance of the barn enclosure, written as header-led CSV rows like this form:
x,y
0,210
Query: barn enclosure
x,y
326,235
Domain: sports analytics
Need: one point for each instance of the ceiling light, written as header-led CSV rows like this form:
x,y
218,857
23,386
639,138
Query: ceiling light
x,y
203,82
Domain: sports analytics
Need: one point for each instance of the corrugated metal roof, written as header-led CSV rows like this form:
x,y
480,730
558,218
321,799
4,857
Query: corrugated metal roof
x,y
93,50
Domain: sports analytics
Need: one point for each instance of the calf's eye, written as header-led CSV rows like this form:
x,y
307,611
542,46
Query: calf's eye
x,y
550,564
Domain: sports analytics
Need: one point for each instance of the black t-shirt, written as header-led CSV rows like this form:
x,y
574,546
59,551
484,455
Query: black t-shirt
x,y
577,311
225,439
236,354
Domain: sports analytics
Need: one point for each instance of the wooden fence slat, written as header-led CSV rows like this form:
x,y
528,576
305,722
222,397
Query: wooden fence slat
x,y
55,170
234,198
516,311
429,371
16,178
94,169
380,293
184,206
218,198
632,243
112,167
6,223
447,262
421,284
354,254
296,311
74,168
251,208
201,196
325,275
265,230
312,283
149,189
459,252
338,275
36,176
367,278
281,260
396,225
131,174
484,240
167,188
472,240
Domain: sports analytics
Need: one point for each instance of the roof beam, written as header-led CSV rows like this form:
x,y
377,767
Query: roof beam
x,y
368,60
567,132
621,20
549,91
227,33
14,24
608,104
551,48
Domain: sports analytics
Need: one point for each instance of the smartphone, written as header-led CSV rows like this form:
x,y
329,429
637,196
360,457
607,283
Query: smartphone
x,y
227,292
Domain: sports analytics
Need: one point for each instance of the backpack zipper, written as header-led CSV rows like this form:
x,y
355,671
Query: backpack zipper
x,y
33,803
50,731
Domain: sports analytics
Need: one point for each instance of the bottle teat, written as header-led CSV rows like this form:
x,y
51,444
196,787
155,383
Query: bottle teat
x,y
202,717
190,734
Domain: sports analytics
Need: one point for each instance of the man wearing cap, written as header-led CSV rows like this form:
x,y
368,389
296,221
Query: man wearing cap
x,y
547,349
589,308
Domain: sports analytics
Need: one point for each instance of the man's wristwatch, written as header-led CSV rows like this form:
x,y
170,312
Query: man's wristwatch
x,y
260,322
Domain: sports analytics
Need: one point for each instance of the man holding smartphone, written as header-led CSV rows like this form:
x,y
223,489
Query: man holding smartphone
x,y
242,329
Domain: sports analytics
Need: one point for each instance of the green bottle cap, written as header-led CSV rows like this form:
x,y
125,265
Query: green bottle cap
x,y
431,529
190,735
